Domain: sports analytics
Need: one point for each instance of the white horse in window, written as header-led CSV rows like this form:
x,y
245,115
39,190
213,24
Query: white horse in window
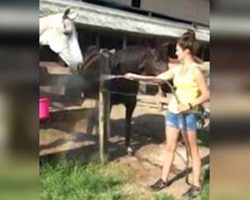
x,y
59,33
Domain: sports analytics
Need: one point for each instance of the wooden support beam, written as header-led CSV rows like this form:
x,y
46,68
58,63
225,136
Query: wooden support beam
x,y
124,42
97,41
54,68
53,74
104,106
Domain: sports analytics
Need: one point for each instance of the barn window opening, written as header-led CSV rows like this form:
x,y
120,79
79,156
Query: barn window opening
x,y
136,3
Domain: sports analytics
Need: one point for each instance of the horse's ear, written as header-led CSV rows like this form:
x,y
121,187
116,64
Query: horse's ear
x,y
70,15
66,13
112,51
141,66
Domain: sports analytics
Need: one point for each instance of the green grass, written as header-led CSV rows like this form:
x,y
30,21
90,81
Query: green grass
x,y
205,189
204,137
163,196
72,181
68,180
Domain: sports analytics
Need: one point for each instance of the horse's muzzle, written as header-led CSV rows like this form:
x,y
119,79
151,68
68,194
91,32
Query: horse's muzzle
x,y
80,67
76,68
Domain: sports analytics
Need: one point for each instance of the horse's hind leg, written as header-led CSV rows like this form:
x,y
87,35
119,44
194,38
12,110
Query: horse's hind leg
x,y
92,124
130,106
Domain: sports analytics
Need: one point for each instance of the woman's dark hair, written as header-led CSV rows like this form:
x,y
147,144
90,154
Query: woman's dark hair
x,y
188,41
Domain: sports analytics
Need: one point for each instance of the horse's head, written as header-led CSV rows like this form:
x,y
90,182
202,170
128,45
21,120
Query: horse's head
x,y
60,34
155,61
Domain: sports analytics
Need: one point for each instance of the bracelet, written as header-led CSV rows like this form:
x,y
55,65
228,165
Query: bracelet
x,y
190,105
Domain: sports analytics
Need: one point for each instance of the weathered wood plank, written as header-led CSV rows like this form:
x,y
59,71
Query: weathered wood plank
x,y
104,106
54,68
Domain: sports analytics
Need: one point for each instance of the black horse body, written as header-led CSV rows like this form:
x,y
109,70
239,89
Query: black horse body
x,y
135,59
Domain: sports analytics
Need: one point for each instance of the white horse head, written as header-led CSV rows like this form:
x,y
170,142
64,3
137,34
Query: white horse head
x,y
59,33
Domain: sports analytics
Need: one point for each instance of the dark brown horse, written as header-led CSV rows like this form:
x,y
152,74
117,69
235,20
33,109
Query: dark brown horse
x,y
136,59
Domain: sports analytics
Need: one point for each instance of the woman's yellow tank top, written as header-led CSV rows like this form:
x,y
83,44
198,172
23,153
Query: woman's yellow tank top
x,y
187,89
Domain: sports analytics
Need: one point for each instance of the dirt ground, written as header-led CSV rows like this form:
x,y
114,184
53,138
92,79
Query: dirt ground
x,y
69,135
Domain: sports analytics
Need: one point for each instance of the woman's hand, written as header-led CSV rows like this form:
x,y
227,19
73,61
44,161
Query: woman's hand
x,y
183,107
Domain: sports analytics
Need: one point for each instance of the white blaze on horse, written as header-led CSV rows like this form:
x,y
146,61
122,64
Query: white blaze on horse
x,y
59,33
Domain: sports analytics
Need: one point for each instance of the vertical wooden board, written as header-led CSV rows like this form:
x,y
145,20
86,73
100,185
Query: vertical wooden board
x,y
104,104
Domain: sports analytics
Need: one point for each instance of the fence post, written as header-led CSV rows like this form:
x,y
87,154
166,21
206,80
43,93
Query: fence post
x,y
104,106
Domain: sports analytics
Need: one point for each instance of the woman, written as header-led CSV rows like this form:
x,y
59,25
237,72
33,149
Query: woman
x,y
192,91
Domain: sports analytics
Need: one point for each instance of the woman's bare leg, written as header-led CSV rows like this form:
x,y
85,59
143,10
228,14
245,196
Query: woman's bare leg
x,y
195,155
171,143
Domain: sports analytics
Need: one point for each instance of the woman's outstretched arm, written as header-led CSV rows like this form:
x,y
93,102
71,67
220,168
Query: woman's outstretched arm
x,y
157,79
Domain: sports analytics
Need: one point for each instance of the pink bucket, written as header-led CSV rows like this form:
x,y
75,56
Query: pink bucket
x,y
44,108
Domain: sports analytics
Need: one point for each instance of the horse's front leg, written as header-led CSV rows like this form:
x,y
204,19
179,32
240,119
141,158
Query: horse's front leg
x,y
129,112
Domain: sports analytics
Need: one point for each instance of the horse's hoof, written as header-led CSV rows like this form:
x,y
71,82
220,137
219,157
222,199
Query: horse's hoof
x,y
130,151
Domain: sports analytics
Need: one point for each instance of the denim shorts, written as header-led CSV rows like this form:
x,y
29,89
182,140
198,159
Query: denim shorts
x,y
176,120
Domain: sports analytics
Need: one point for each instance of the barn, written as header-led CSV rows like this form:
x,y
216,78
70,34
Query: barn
x,y
118,24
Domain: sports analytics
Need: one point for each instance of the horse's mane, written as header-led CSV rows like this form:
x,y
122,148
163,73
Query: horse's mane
x,y
124,58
